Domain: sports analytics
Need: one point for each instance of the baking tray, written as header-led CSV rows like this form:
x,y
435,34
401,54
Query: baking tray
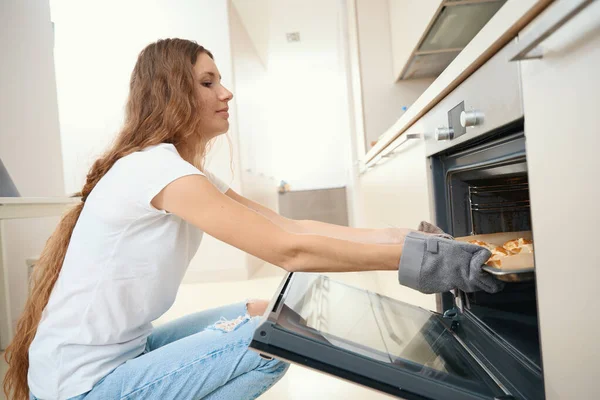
x,y
517,268
511,275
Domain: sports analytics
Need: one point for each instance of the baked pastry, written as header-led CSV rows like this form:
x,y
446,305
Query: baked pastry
x,y
488,246
498,253
519,245
510,248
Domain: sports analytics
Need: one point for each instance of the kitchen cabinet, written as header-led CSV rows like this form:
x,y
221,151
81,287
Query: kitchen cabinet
x,y
561,99
17,208
428,34
396,193
408,21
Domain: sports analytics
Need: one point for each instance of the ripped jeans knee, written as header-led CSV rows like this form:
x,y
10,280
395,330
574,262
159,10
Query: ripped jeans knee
x,y
230,325
225,325
271,366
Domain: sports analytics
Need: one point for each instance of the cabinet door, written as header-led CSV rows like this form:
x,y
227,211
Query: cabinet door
x,y
408,21
396,193
561,94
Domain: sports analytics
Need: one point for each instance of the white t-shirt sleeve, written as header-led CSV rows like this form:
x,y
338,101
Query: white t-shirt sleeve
x,y
151,170
156,168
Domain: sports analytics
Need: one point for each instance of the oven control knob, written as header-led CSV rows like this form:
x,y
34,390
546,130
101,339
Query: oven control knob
x,y
444,134
471,118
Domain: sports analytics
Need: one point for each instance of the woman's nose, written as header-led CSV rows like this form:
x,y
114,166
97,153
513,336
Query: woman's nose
x,y
226,95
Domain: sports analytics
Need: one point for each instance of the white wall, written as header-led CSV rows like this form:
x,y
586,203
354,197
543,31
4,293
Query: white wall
x,y
304,137
29,130
253,117
309,118
252,100
254,17
383,98
97,44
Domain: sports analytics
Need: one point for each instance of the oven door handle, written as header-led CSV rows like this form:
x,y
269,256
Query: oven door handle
x,y
555,17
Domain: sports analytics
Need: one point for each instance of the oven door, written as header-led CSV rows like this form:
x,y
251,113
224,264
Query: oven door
x,y
371,340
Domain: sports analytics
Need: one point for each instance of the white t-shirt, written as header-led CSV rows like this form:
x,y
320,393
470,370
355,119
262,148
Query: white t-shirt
x,y
123,266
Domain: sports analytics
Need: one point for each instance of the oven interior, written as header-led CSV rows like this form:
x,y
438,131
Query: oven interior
x,y
482,187
492,199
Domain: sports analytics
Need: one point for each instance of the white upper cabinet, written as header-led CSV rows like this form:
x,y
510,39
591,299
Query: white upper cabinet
x,y
408,21
428,34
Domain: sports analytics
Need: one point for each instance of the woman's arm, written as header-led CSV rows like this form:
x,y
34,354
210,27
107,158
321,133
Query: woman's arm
x,y
381,236
197,201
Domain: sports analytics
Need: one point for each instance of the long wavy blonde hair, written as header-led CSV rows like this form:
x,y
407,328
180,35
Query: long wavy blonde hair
x,y
162,108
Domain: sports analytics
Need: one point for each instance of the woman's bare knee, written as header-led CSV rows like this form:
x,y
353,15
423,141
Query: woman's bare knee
x,y
257,307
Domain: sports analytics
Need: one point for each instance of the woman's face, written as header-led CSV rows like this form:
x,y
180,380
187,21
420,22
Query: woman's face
x,y
214,97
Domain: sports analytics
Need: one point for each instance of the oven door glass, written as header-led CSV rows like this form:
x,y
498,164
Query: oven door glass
x,y
371,340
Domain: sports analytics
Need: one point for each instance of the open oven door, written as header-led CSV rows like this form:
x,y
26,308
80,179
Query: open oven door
x,y
371,340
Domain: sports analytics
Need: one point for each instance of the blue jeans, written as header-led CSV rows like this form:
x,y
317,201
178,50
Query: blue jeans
x,y
200,356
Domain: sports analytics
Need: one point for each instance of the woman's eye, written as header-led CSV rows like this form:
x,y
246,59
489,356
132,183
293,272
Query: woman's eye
x,y
207,84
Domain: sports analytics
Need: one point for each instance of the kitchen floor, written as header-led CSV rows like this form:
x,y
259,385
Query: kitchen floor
x,y
299,383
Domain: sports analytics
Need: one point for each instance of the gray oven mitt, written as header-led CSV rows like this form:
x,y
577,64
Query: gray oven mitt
x,y
433,264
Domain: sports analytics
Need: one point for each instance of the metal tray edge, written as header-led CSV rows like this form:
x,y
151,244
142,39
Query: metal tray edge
x,y
500,271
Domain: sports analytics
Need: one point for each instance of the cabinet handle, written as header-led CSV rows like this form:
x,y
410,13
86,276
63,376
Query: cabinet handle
x,y
389,154
407,137
556,16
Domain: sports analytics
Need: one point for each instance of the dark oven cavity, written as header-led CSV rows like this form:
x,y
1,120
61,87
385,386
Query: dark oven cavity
x,y
482,187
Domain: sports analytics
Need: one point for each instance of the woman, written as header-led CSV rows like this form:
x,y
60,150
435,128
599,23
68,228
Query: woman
x,y
115,261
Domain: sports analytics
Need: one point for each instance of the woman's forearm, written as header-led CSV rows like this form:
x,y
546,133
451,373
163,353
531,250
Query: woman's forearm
x,y
362,235
315,253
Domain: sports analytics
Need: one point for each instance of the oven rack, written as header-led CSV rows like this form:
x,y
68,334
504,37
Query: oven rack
x,y
480,206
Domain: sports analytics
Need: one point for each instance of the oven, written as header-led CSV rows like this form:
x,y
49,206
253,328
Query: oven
x,y
498,172
481,187
476,345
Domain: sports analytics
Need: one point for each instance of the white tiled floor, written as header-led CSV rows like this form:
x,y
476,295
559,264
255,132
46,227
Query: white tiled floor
x,y
298,383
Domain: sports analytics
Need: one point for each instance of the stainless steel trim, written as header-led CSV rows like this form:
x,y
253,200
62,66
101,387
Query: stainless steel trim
x,y
556,16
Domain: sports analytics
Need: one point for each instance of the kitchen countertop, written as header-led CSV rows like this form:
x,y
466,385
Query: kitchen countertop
x,y
23,207
503,27
33,207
